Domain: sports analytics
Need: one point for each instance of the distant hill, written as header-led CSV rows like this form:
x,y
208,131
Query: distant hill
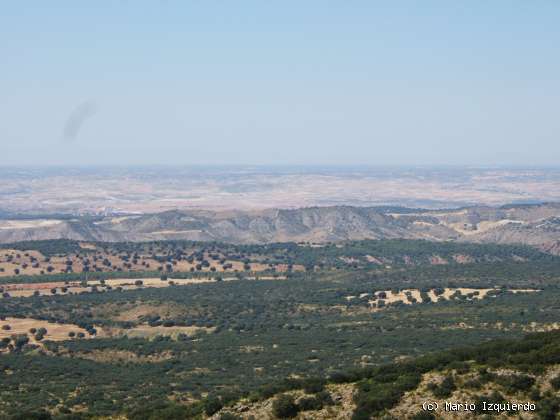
x,y
537,225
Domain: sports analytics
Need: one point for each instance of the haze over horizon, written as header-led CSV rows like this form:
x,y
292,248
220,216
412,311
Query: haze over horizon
x,y
318,83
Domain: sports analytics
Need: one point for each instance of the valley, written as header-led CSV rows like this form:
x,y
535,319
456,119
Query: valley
x,y
214,343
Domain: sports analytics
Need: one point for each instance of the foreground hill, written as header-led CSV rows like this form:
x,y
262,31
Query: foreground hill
x,y
537,225
504,378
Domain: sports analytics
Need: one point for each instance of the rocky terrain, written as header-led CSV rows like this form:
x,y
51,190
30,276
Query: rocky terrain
x,y
537,225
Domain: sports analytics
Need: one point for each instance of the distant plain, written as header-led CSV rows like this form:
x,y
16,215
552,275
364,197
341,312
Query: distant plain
x,y
153,189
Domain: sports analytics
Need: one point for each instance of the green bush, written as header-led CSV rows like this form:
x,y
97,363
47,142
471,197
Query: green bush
x,y
313,385
555,383
212,405
446,388
310,404
284,407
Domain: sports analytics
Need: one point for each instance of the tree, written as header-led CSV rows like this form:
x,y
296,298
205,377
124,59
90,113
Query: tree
x,y
284,406
212,405
20,341
313,385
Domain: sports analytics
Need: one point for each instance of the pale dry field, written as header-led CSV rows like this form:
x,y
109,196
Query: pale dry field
x,y
75,287
390,297
55,332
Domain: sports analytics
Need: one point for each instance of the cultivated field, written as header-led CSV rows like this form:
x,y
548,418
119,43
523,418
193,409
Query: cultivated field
x,y
10,327
74,287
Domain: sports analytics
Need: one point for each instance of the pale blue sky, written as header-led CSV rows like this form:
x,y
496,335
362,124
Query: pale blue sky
x,y
280,82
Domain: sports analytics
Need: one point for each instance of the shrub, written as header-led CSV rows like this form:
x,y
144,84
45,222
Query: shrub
x,y
313,385
310,404
549,407
229,416
212,405
36,415
515,383
555,382
21,340
325,398
284,407
494,398
445,389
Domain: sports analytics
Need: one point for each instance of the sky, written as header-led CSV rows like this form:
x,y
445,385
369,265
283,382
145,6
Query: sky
x,y
280,82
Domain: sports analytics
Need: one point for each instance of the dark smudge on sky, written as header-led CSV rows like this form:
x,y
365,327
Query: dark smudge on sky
x,y
77,119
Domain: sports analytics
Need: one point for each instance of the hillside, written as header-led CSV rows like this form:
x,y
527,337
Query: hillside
x,y
502,377
536,225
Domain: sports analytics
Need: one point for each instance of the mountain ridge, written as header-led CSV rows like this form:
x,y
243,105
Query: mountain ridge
x,y
537,225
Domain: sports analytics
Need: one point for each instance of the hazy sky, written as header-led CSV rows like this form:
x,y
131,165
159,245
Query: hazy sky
x,y
280,82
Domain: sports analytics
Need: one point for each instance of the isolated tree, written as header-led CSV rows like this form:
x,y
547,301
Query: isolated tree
x,y
20,341
212,405
284,406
